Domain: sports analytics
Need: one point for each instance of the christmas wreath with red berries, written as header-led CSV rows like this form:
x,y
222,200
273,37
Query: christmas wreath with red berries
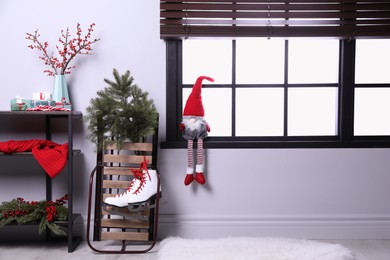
x,y
43,212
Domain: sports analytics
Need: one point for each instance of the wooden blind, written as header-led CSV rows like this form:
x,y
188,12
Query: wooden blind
x,y
270,18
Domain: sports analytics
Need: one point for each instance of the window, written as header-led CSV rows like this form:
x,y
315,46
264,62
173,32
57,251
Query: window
x,y
372,93
276,93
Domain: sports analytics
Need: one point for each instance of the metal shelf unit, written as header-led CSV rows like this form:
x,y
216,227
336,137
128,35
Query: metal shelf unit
x,y
72,240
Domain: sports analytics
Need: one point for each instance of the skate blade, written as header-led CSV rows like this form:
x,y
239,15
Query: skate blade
x,y
124,212
113,206
142,205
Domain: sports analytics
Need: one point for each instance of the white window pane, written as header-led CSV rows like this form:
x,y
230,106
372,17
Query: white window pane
x,y
259,112
217,105
259,61
312,111
313,61
211,58
372,61
372,111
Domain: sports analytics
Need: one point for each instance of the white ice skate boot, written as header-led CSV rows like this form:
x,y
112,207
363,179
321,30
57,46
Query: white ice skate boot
x,y
121,200
147,187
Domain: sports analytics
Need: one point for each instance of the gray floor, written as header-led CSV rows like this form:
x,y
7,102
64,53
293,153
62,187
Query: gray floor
x,y
363,250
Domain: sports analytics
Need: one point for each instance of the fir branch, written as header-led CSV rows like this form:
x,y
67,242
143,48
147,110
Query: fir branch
x,y
42,225
55,229
6,221
120,112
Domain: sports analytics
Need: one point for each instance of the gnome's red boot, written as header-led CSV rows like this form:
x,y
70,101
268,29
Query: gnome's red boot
x,y
189,179
190,176
199,177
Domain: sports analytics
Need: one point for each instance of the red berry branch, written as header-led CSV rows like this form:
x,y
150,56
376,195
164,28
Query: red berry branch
x,y
44,212
67,51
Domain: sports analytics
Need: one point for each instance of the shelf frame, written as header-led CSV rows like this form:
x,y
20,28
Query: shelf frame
x,y
72,241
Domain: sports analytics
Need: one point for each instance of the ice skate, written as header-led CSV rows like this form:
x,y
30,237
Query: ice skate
x,y
147,190
121,200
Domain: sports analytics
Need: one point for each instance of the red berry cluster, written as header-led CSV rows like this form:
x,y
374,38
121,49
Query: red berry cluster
x,y
15,213
61,201
70,48
22,201
51,212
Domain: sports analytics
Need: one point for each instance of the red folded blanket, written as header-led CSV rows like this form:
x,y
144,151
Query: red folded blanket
x,y
51,156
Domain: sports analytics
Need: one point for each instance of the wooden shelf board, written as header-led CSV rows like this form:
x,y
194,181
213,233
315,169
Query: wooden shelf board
x,y
75,152
75,114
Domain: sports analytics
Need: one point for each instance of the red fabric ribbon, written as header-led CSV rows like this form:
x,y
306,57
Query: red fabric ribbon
x,y
51,156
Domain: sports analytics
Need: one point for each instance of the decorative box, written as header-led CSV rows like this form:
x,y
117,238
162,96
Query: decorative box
x,y
44,103
63,105
19,104
42,96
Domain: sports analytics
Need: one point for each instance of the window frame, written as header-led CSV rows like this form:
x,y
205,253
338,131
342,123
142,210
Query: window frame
x,y
343,139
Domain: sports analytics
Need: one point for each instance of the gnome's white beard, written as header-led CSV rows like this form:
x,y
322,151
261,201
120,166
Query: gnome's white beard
x,y
193,123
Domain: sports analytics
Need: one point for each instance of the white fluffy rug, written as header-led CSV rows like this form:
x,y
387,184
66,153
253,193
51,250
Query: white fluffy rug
x,y
247,248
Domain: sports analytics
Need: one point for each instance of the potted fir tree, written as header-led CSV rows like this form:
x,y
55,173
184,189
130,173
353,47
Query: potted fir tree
x,y
120,112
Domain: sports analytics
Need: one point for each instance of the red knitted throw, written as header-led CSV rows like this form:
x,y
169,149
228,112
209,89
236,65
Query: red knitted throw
x,y
51,156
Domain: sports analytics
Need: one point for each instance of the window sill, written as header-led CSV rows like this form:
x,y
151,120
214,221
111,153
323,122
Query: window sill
x,y
280,144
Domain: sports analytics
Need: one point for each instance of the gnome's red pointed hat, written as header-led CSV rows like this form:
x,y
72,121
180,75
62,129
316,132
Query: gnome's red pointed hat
x,y
194,105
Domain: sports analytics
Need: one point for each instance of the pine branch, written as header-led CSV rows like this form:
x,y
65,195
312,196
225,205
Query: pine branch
x,y
42,225
6,221
56,229
127,112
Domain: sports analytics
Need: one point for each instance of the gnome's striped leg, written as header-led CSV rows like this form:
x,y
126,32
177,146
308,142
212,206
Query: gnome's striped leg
x,y
199,177
190,165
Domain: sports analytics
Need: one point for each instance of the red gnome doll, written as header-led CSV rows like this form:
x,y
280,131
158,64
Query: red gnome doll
x,y
195,127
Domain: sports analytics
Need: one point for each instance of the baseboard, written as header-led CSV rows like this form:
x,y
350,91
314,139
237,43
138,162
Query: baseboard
x,y
356,226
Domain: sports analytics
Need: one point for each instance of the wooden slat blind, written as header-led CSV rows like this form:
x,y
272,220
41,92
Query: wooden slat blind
x,y
270,18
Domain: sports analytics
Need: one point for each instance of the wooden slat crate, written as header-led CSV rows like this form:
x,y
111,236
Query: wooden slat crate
x,y
117,175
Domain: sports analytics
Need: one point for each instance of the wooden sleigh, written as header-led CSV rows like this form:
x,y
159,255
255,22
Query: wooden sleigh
x,y
129,230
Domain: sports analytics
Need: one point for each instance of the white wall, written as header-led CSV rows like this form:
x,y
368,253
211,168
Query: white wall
x,y
313,193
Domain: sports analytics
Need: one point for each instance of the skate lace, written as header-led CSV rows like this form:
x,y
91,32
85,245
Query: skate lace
x,y
141,174
128,190
138,175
